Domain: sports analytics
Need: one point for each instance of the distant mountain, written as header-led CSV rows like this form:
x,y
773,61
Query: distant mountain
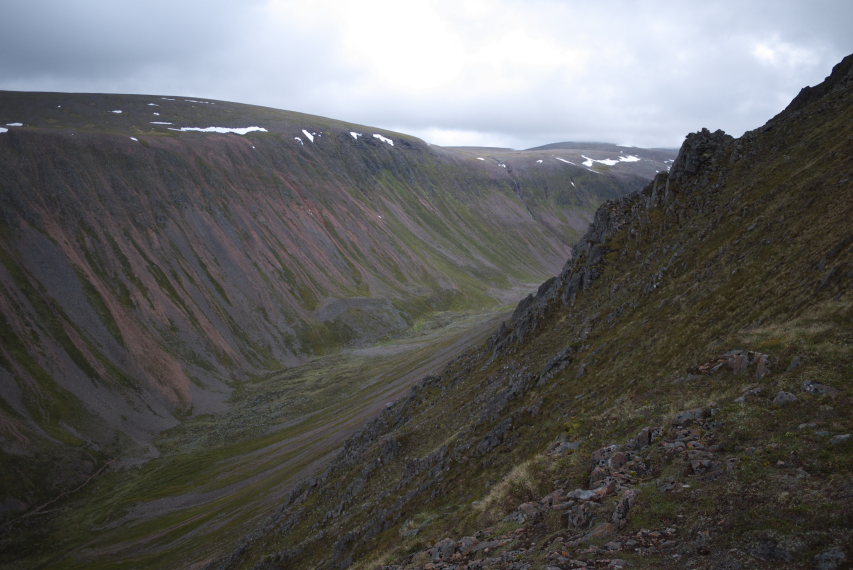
x,y
679,396
156,251
598,146
615,160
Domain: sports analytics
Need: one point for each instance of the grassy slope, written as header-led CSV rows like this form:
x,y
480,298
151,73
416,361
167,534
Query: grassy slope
x,y
752,251
220,475
140,279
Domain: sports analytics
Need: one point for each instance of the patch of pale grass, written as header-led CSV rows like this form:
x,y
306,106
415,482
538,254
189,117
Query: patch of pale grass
x,y
519,485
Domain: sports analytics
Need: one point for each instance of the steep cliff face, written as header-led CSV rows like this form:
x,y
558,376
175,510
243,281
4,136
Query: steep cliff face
x,y
155,250
691,358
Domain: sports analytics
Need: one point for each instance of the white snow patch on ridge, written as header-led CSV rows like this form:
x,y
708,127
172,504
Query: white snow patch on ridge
x,y
480,158
299,140
609,161
566,161
355,135
160,123
236,131
134,139
588,162
14,124
383,139
117,111
4,130
309,135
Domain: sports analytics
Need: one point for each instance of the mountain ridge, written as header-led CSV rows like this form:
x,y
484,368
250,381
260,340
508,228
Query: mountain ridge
x,y
692,357
147,270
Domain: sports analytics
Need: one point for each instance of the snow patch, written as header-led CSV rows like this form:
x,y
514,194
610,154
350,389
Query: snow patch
x,y
299,140
609,161
566,161
573,184
14,124
383,139
480,158
539,161
502,165
160,123
153,105
589,161
134,139
355,135
194,101
117,111
167,99
3,130
224,130
156,114
308,135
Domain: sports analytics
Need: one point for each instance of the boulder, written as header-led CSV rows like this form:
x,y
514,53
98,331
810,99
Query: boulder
x,y
443,550
840,439
620,512
688,417
467,544
783,398
796,362
813,387
831,559
646,437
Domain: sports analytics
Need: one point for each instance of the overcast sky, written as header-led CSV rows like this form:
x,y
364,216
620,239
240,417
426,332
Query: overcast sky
x,y
482,72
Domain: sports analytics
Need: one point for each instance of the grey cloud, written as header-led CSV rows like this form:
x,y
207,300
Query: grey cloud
x,y
653,72
100,38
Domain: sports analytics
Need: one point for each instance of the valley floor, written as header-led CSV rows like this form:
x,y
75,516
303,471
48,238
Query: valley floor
x,y
219,476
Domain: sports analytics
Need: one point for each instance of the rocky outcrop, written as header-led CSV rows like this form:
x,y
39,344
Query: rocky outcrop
x,y
702,151
590,527
841,77
699,164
